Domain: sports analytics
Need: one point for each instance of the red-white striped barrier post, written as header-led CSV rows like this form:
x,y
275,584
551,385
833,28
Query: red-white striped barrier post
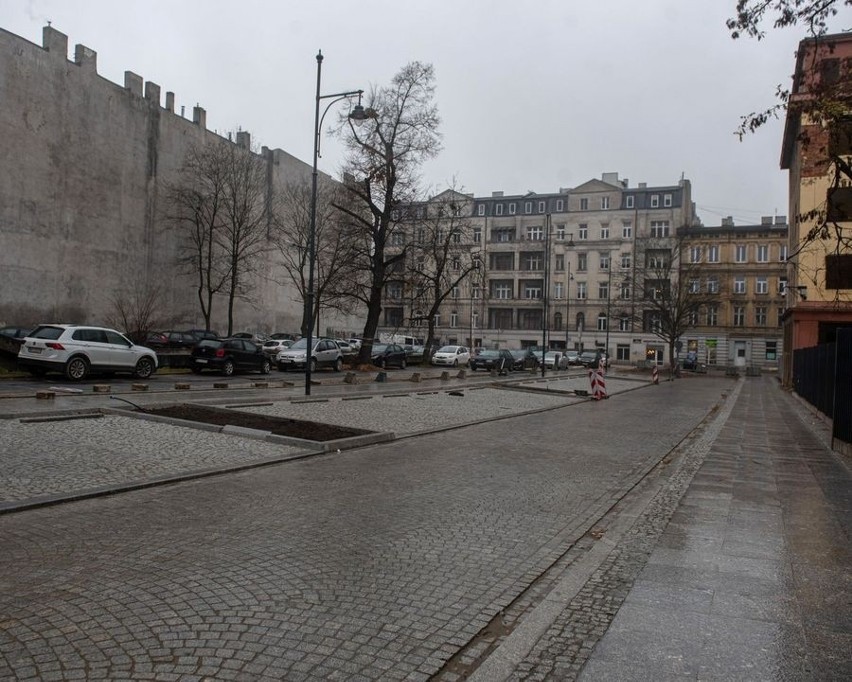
x,y
655,375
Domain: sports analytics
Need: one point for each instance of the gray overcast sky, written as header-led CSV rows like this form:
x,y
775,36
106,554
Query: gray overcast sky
x,y
533,95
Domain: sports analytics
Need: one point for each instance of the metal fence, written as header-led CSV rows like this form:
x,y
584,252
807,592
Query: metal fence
x,y
822,375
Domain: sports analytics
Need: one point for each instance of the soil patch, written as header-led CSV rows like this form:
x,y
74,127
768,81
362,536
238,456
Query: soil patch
x,y
279,426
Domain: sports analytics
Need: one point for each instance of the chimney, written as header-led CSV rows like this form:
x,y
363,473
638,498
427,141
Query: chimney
x,y
643,185
199,116
497,194
610,178
766,220
55,42
244,139
170,102
85,58
728,222
780,220
152,92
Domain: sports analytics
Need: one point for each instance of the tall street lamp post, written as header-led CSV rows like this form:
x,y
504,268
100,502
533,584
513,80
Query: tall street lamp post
x,y
608,308
544,291
569,245
358,116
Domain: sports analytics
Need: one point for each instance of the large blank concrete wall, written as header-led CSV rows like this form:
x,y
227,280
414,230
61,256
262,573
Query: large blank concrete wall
x,y
82,194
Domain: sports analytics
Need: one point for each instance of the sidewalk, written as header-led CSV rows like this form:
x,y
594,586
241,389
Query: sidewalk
x,y
751,578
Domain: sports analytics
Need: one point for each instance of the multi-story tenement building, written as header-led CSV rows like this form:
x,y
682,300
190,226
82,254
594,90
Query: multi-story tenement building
x,y
554,268
746,265
819,295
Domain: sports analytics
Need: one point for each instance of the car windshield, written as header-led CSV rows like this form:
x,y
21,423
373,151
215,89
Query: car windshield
x,y
47,332
488,354
301,344
379,348
447,349
209,343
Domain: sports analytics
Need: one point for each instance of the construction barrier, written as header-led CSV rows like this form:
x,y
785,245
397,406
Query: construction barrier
x,y
598,384
655,375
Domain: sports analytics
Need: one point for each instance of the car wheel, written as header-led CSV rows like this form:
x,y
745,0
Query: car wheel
x,y
403,364
338,365
313,365
77,369
455,363
144,368
380,363
265,367
228,368
195,370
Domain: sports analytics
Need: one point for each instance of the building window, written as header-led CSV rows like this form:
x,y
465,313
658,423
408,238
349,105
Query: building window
x,y
541,206
782,253
397,238
667,200
456,236
395,291
771,350
560,232
581,290
780,319
713,253
760,316
655,201
502,290
762,253
603,290
532,291
740,253
659,228
454,319
480,209
474,320
605,231
499,209
475,292
582,262
782,285
695,254
557,290
712,285
557,322
454,292
625,291
602,322
437,319
712,315
604,261
604,203
695,286
622,352
628,201
625,261
559,264
739,316
583,231
762,286
527,207
739,285
560,205
624,323
512,208
532,261
584,204
626,229
535,233
692,318
477,235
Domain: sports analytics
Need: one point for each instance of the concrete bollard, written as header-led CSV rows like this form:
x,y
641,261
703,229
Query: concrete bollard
x,y
261,384
462,374
350,378
45,395
181,387
415,377
382,376
220,385
445,376
139,387
101,388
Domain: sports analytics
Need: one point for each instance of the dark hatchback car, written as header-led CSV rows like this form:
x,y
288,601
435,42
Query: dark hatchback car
x,y
493,359
171,339
11,338
389,354
228,356
525,358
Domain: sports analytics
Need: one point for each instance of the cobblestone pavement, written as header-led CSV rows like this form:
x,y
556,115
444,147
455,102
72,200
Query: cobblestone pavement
x,y
378,563
77,456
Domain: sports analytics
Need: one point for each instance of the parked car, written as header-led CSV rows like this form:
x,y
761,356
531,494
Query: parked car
x,y
171,339
570,357
452,356
204,334
552,358
493,359
283,335
11,338
345,348
591,359
77,350
256,339
525,358
274,346
325,353
387,354
691,360
228,356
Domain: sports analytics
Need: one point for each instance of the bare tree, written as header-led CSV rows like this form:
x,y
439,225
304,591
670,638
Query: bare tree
x,y
668,292
134,309
194,209
381,170
440,257
334,247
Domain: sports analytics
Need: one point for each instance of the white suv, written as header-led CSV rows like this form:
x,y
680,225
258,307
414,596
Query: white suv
x,y
75,350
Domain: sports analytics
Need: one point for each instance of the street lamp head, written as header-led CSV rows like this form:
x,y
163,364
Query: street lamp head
x,y
359,114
